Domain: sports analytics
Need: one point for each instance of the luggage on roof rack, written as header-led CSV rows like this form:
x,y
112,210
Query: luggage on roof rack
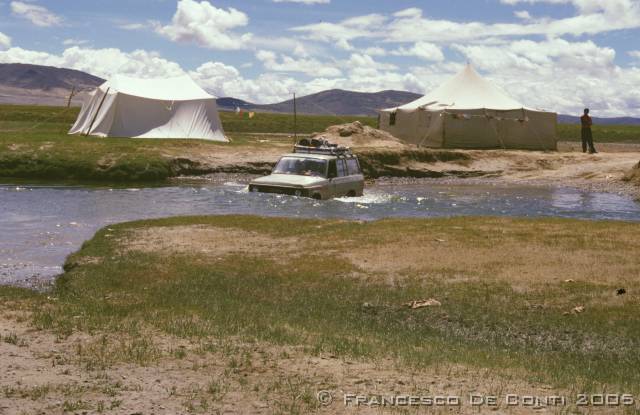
x,y
320,146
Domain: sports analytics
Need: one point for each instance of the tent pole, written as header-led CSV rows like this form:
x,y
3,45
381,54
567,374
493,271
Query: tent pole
x,y
97,112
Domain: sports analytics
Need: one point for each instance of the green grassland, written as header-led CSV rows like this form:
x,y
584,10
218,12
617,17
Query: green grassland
x,y
602,133
34,144
510,313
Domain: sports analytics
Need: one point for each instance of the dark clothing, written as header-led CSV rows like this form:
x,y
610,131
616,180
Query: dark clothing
x,y
587,140
587,137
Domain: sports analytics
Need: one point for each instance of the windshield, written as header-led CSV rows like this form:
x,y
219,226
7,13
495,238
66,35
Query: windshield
x,y
301,166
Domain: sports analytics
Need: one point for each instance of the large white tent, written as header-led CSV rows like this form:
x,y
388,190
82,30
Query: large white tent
x,y
469,112
150,108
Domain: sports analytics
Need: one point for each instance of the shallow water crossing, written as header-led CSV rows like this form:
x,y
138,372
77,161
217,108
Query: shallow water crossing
x,y
40,226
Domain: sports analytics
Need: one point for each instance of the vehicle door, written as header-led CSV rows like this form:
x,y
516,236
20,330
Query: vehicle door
x,y
356,178
341,181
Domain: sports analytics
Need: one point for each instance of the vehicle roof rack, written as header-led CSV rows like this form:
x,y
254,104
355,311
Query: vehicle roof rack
x,y
320,146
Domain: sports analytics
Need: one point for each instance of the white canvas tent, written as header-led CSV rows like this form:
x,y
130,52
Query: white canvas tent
x,y
150,108
469,112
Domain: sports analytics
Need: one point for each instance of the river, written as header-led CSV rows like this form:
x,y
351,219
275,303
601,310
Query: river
x,y
41,225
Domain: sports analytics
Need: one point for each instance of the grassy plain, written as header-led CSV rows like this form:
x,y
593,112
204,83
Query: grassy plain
x,y
34,144
523,302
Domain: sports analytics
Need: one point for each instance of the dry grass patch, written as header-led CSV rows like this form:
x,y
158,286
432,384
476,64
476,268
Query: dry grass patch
x,y
208,241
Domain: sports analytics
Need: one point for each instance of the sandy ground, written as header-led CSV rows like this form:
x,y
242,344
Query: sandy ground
x,y
45,374
568,166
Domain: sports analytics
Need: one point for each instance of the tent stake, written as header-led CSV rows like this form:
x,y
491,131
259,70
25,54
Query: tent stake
x,y
97,112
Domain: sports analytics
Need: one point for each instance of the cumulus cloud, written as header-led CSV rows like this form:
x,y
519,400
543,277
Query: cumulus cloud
x,y
522,14
38,15
224,80
423,50
206,25
410,25
5,41
345,30
100,62
284,63
560,75
74,42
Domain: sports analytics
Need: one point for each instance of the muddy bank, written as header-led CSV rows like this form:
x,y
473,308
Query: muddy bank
x,y
607,170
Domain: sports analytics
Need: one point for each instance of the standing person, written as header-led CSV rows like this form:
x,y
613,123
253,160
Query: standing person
x,y
587,137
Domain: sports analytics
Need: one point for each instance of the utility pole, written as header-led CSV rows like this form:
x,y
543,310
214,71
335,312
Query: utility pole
x,y
295,119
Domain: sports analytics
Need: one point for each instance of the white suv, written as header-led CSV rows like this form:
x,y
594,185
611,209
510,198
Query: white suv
x,y
320,172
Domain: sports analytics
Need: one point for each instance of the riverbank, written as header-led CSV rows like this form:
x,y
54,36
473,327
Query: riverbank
x,y
206,314
34,146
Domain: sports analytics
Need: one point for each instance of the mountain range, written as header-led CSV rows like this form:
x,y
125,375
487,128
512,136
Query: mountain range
x,y
46,85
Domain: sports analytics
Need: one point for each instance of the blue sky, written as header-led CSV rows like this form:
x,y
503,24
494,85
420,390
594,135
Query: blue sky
x,y
560,55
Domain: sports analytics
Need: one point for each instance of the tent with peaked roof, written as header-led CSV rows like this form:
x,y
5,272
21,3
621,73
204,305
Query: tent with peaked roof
x,y
469,112
150,108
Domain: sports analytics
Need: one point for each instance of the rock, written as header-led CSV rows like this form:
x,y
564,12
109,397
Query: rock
x,y
578,309
431,302
621,291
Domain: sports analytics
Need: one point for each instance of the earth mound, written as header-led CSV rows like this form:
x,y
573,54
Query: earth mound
x,y
633,175
357,135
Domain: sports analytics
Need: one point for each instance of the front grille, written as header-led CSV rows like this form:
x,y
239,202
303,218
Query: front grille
x,y
278,189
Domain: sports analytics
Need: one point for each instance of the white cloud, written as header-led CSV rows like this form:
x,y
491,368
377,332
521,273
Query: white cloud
x,y
133,26
303,1
634,54
375,51
307,66
522,14
5,41
283,44
423,50
560,75
206,25
410,25
74,42
38,15
100,62
348,29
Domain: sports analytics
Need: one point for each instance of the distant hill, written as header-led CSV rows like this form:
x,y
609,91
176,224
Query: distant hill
x,y
230,104
45,85
331,102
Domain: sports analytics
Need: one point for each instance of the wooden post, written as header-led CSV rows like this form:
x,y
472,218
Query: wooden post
x,y
73,90
97,111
